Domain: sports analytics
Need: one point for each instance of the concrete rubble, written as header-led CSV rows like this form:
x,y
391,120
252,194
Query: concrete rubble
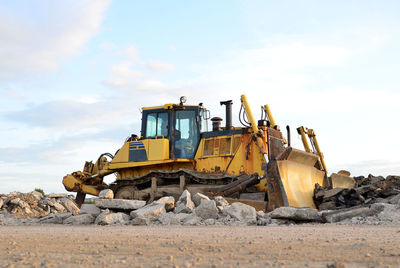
x,y
374,201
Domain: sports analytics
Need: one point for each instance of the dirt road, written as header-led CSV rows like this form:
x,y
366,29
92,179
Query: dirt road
x,y
204,246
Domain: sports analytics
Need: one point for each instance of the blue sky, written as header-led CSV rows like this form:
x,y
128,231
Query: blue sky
x,y
73,75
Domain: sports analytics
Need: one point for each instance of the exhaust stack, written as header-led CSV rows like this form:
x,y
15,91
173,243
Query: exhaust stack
x,y
228,113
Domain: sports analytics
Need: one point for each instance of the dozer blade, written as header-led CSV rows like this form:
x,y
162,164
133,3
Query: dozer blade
x,y
291,179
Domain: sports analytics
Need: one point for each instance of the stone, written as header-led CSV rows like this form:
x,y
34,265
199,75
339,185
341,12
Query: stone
x,y
209,222
185,203
37,195
107,194
395,200
57,195
168,201
198,197
169,218
90,209
207,209
108,218
221,202
241,212
340,215
56,218
70,206
121,204
58,207
296,214
1,203
388,212
79,219
192,219
147,214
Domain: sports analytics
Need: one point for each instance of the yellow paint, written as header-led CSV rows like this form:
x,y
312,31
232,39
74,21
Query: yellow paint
x,y
158,149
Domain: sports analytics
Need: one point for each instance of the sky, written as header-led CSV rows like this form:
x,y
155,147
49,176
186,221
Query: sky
x,y
74,75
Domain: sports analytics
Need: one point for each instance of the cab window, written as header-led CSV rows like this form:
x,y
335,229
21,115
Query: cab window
x,y
186,134
157,125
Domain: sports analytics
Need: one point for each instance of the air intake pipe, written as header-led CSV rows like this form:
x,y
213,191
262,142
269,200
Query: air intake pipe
x,y
228,113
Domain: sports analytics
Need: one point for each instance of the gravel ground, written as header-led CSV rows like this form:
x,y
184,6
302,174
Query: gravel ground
x,y
203,246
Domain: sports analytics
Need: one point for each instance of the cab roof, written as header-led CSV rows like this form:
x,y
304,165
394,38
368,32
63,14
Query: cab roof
x,y
168,106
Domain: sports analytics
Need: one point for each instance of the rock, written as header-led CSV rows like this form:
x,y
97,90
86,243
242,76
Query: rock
x,y
58,207
1,203
296,214
70,206
168,201
221,202
260,214
395,200
170,218
241,212
57,218
121,204
147,214
192,219
37,195
108,218
198,197
185,203
207,209
209,222
57,195
340,215
79,219
90,209
107,194
388,212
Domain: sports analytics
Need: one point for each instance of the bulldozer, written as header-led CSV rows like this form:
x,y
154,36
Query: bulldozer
x,y
175,151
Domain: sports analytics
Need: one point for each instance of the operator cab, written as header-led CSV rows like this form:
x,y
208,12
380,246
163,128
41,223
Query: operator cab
x,y
180,124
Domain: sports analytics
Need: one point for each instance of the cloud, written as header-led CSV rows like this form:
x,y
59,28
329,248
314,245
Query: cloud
x,y
28,47
130,52
158,66
172,48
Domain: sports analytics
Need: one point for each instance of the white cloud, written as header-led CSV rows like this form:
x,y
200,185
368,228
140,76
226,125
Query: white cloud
x,y
158,66
130,52
172,48
151,86
27,47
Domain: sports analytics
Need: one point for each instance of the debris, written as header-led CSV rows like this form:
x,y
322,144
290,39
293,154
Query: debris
x,y
107,194
241,212
221,202
207,209
108,218
185,203
169,202
198,197
90,209
70,206
296,214
336,216
147,214
121,204
79,219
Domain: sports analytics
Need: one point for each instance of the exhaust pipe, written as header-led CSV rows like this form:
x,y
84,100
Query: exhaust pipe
x,y
228,113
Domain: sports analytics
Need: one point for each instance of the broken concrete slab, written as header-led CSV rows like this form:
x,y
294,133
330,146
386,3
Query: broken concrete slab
x,y
90,209
56,218
207,209
82,219
106,194
340,215
296,214
221,202
197,197
241,212
192,219
147,214
56,195
108,218
185,203
168,201
119,204
70,206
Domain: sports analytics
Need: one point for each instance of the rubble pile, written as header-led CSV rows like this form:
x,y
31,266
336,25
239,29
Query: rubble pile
x,y
35,205
369,190
375,200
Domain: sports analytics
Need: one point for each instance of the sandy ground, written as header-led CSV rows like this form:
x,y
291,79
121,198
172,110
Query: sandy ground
x,y
204,246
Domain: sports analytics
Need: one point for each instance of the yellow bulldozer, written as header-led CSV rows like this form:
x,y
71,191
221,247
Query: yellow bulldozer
x,y
175,151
